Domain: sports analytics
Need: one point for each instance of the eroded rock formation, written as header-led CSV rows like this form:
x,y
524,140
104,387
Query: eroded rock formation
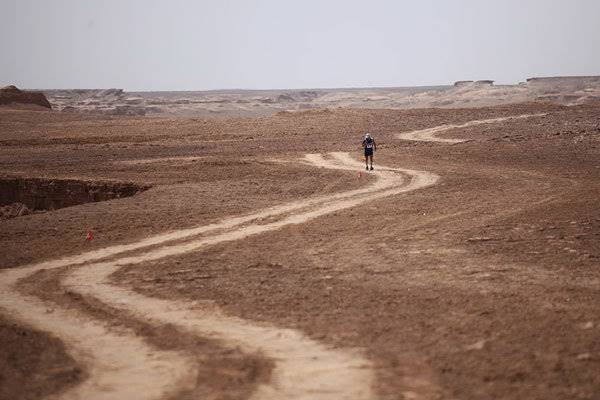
x,y
13,95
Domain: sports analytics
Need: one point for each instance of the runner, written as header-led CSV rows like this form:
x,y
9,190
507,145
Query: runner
x,y
370,146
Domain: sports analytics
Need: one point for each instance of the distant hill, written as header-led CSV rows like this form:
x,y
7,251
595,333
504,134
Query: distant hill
x,y
13,95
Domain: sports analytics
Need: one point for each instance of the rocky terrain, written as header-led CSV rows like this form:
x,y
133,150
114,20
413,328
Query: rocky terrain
x,y
11,95
264,262
558,90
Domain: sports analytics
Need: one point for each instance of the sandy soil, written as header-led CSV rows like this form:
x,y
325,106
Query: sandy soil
x,y
481,286
34,361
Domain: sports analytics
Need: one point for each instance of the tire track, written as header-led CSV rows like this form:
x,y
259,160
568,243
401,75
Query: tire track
x,y
120,365
304,368
105,352
428,135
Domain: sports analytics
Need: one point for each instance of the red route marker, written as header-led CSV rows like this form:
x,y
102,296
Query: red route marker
x,y
90,236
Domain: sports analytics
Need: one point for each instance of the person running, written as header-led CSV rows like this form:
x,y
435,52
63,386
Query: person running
x,y
370,146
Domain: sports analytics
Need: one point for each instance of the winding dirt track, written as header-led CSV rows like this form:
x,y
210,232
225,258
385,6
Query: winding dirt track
x,y
428,135
122,365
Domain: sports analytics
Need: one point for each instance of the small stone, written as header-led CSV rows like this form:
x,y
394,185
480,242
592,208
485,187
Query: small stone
x,y
408,395
479,239
584,356
476,346
587,325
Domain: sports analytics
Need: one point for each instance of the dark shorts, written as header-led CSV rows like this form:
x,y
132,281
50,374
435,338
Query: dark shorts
x,y
368,152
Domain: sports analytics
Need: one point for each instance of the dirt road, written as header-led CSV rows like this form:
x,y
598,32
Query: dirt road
x,y
303,368
121,364
428,135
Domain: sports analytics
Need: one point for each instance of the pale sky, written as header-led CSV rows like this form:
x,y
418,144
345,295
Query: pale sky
x,y
263,44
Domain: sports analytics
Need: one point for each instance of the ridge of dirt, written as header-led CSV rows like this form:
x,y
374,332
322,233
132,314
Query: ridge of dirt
x,y
39,194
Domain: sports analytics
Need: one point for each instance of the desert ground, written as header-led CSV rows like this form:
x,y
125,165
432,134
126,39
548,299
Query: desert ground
x,y
566,90
178,256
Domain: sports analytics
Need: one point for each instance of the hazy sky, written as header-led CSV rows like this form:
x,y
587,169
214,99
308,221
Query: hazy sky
x,y
212,44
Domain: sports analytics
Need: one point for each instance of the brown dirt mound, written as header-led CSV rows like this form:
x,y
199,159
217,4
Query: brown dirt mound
x,y
12,95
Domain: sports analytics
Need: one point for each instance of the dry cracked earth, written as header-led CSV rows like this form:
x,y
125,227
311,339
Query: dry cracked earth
x,y
239,258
